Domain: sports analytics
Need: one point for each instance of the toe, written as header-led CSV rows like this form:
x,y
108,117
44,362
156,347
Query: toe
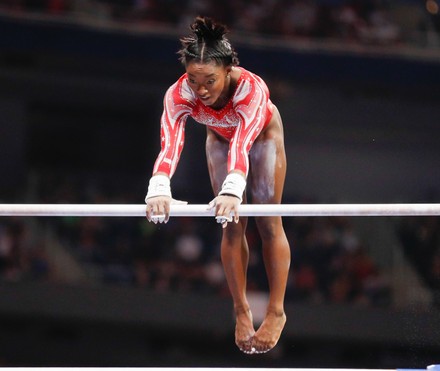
x,y
245,346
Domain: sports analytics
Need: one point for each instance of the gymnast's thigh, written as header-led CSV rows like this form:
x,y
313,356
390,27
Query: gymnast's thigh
x,y
217,158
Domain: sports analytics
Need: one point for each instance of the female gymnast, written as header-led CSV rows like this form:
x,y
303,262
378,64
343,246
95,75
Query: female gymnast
x,y
244,149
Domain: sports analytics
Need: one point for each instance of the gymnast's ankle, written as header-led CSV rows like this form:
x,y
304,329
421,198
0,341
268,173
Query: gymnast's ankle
x,y
242,309
277,312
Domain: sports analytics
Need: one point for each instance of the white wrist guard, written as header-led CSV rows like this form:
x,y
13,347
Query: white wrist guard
x,y
235,185
159,186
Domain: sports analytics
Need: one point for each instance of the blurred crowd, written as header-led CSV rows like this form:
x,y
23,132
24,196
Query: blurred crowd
x,y
22,257
376,22
330,263
420,239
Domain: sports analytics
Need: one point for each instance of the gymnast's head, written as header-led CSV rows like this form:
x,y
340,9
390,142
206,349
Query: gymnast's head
x,y
206,44
209,59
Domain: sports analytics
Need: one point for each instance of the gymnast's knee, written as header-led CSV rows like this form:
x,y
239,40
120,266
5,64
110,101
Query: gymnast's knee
x,y
269,228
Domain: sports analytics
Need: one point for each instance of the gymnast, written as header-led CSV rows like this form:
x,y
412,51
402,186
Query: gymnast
x,y
246,159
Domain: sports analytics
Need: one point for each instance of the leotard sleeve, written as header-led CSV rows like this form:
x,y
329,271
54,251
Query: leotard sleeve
x,y
177,107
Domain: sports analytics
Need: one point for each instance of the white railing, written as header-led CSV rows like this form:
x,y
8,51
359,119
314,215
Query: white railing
x,y
133,210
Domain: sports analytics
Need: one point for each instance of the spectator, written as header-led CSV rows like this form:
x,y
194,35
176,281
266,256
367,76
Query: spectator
x,y
353,21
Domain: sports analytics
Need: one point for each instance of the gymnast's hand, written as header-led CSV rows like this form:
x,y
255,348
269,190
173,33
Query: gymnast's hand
x,y
226,209
158,208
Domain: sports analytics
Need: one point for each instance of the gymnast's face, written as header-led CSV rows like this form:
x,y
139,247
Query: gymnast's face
x,y
210,82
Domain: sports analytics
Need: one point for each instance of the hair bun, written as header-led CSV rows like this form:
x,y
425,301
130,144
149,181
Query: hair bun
x,y
207,42
207,30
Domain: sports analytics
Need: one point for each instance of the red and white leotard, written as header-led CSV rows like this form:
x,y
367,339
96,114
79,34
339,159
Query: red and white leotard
x,y
240,122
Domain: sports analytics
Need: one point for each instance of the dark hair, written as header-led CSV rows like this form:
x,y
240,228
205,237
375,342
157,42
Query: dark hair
x,y
207,43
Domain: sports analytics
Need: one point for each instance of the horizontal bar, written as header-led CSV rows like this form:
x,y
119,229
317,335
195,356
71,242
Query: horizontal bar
x,y
121,210
219,369
210,369
214,369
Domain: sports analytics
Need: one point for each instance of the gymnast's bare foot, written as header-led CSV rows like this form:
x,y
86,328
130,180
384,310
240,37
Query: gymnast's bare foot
x,y
244,330
268,334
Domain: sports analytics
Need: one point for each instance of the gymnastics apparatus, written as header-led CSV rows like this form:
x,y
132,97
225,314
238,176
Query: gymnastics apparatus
x,y
429,368
139,210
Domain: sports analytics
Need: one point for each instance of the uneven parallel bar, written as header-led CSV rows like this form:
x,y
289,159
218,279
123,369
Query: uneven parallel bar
x,y
223,369
123,210
209,369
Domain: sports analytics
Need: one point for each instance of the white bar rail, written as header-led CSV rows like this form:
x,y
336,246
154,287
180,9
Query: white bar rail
x,y
138,210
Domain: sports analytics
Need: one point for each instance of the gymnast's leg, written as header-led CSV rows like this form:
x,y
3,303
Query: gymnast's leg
x,y
234,247
268,170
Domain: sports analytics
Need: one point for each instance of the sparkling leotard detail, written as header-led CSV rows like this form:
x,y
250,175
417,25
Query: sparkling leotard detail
x,y
240,122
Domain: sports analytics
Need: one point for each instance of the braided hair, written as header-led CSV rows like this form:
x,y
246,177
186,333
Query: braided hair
x,y
207,43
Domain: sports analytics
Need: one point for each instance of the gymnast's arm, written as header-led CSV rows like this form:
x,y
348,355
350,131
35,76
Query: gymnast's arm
x,y
159,197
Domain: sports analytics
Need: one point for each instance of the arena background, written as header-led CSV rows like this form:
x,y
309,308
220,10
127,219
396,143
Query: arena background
x,y
80,102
